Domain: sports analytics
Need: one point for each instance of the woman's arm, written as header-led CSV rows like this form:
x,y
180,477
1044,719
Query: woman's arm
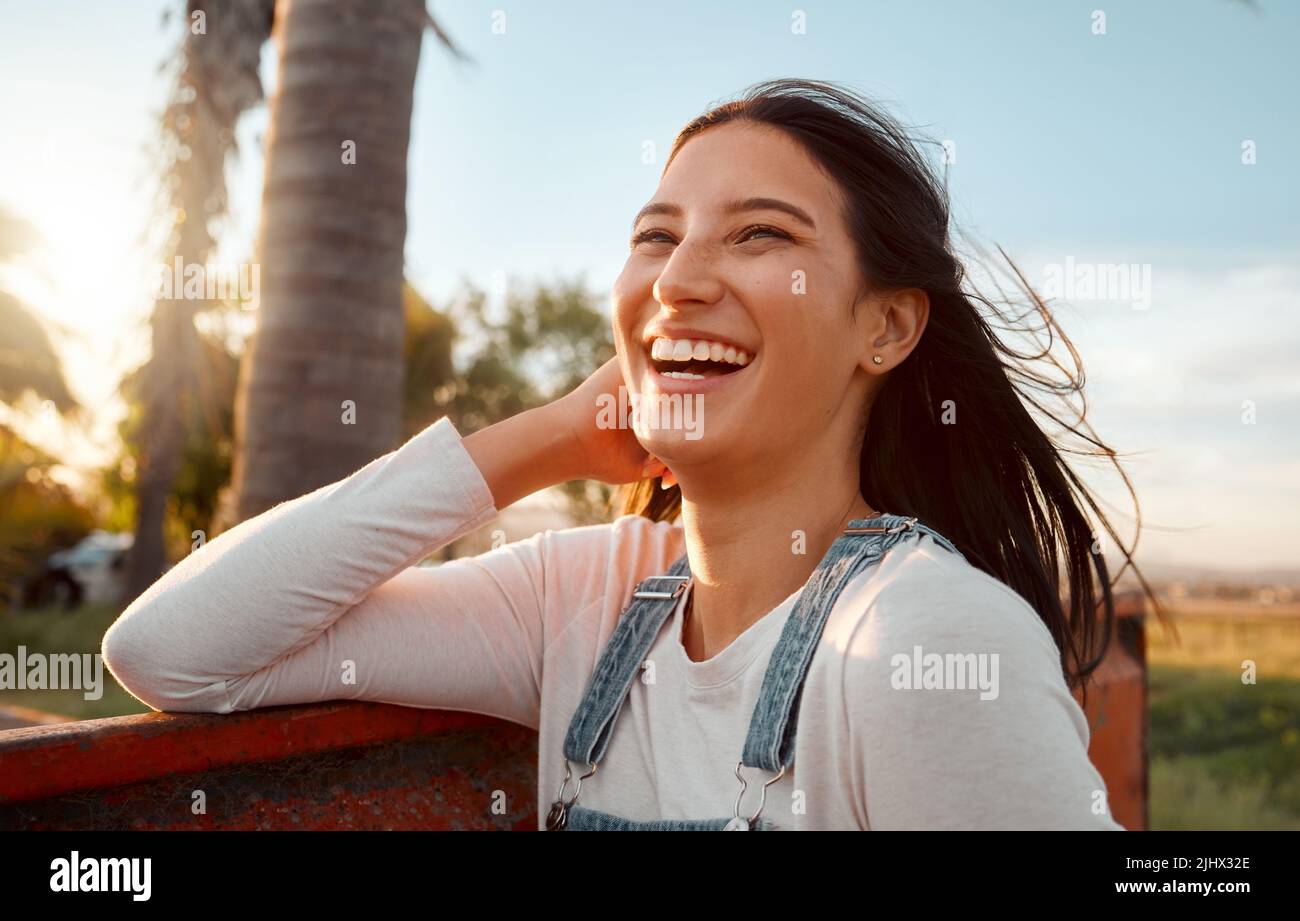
x,y
1011,756
318,599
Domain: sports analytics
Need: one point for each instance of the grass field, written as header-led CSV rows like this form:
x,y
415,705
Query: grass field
x,y
52,630
1224,755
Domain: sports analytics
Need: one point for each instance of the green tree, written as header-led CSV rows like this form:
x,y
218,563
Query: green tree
x,y
207,434
37,513
545,341
28,360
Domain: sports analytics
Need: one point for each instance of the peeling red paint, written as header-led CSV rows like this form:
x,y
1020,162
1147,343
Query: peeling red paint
x,y
335,765
1117,716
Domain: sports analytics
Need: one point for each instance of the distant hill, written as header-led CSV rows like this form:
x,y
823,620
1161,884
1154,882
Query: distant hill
x,y
1165,573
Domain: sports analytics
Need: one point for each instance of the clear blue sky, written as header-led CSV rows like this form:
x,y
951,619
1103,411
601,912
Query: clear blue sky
x,y
1123,147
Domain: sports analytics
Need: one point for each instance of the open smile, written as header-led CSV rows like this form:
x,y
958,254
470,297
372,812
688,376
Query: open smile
x,y
693,365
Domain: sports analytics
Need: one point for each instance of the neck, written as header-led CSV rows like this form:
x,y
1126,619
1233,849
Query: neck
x,y
752,546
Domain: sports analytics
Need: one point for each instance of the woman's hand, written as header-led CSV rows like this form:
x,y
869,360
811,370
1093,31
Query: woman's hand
x,y
575,437
595,413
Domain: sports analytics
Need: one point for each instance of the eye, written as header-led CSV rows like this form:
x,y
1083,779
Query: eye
x,y
648,236
751,232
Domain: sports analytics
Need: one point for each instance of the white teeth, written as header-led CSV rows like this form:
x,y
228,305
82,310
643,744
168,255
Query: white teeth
x,y
684,375
663,349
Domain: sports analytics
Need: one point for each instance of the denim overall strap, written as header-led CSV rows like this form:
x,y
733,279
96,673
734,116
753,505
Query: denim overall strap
x,y
770,742
770,738
593,722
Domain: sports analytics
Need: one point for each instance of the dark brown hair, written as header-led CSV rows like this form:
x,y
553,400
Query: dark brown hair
x,y
996,485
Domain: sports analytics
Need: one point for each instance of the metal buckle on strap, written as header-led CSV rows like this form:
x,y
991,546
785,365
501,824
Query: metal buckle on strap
x,y
662,596
558,818
741,824
904,525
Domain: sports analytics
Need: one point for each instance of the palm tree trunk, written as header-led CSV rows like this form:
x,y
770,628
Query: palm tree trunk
x,y
330,324
216,81
173,328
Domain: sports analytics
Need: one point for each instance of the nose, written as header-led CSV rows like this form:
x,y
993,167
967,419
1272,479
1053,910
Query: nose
x,y
688,276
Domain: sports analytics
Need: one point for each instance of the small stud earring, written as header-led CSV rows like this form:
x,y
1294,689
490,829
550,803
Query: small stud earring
x,y
877,359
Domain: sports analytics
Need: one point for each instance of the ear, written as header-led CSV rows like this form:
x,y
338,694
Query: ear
x,y
900,320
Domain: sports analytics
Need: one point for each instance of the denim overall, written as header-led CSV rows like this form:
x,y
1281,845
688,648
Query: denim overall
x,y
769,745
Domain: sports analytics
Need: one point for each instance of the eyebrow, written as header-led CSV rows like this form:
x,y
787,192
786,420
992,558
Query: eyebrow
x,y
732,207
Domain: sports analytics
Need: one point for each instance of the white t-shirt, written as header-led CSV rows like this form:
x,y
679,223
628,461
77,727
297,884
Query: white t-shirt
x,y
266,613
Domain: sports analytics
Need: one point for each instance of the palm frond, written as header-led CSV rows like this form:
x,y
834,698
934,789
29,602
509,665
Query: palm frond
x,y
446,40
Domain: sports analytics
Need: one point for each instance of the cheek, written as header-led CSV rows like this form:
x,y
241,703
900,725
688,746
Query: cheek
x,y
795,307
627,296
810,340
799,293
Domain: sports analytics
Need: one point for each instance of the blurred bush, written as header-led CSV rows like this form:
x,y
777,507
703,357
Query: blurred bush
x,y
38,515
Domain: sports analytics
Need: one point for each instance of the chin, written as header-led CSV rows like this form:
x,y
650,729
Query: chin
x,y
705,442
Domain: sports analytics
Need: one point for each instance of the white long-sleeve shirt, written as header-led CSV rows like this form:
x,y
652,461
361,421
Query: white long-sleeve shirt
x,y
269,612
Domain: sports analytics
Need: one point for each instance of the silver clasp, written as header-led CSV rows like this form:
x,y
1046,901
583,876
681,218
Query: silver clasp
x,y
741,824
662,596
558,817
904,525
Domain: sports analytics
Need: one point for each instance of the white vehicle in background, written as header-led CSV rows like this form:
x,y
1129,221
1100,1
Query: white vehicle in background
x,y
93,570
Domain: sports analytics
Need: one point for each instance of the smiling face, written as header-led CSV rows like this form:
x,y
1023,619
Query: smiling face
x,y
740,286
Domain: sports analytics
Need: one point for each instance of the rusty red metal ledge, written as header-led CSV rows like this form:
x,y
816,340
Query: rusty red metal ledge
x,y
332,765
350,765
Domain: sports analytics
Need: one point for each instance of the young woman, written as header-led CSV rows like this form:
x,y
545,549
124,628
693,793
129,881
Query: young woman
x,y
880,590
